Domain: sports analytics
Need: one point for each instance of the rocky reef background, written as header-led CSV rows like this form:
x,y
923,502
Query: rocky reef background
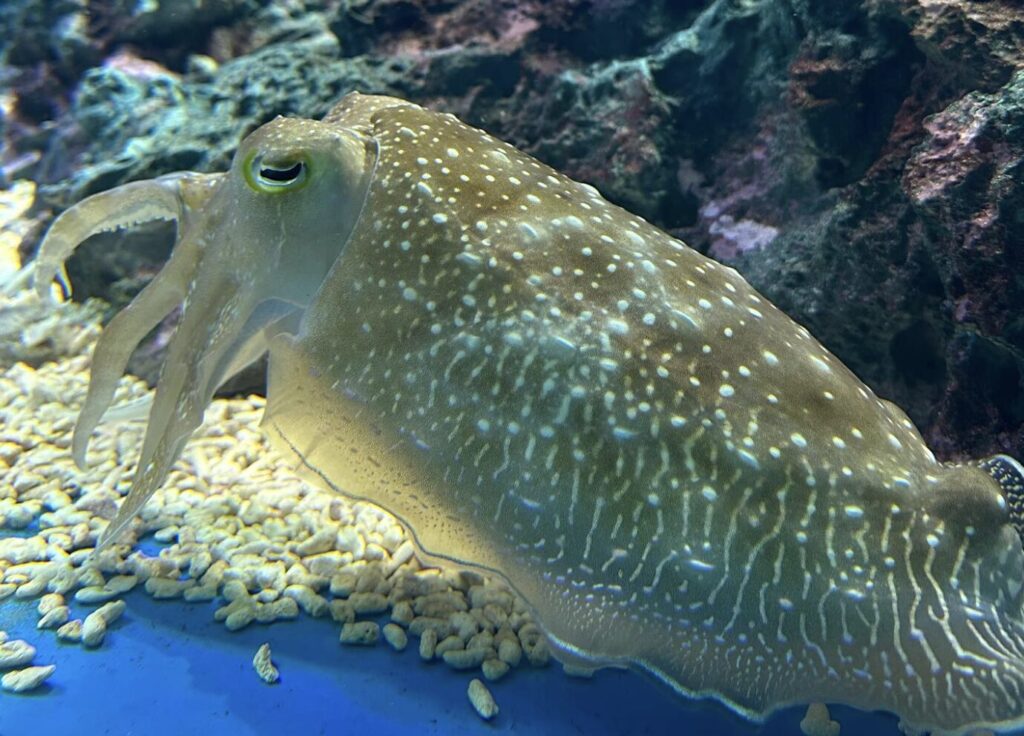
x,y
861,163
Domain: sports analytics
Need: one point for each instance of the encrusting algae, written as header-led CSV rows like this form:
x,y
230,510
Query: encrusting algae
x,y
264,665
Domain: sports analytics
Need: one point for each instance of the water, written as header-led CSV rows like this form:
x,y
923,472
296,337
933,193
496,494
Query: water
x,y
858,164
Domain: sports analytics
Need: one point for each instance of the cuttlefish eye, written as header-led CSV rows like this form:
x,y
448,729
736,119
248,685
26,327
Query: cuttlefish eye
x,y
277,174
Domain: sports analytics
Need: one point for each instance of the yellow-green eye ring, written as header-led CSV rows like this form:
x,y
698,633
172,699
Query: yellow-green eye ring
x,y
276,176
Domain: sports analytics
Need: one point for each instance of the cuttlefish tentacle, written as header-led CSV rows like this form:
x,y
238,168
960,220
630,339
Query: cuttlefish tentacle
x,y
270,317
123,207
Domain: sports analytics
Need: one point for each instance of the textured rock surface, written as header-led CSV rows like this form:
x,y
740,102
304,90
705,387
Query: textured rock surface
x,y
859,162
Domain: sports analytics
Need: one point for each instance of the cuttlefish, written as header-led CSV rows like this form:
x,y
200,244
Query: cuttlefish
x,y
674,475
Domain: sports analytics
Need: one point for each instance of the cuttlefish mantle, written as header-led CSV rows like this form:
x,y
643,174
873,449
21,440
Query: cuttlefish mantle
x,y
673,474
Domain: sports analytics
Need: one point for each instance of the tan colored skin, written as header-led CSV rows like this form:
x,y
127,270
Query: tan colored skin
x,y
672,473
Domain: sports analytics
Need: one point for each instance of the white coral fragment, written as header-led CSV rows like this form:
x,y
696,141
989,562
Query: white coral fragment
x,y
360,632
54,618
482,700
494,669
71,631
94,594
395,636
264,666
16,653
94,629
110,612
24,680
817,721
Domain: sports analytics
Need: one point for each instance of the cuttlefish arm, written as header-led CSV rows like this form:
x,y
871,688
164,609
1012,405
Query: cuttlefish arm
x,y
271,317
166,198
240,275
203,353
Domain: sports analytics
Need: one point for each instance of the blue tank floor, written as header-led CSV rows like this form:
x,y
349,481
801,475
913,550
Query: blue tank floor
x,y
167,668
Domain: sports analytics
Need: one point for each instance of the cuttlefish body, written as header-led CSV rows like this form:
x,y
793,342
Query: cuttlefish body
x,y
673,474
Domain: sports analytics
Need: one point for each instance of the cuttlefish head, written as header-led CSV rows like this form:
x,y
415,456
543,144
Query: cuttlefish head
x,y
252,247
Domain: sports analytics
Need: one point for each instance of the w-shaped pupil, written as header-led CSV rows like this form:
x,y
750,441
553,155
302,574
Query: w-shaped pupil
x,y
283,175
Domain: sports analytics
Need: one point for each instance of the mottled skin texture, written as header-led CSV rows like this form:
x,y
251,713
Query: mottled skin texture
x,y
673,474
